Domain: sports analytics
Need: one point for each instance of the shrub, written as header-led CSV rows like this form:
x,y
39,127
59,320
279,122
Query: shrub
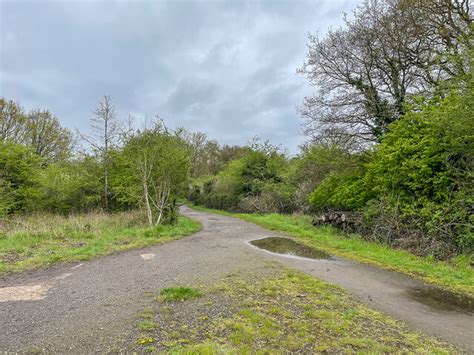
x,y
256,182
417,190
314,165
18,166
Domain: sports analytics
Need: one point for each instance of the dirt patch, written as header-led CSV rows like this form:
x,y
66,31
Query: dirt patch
x,y
122,242
147,256
24,293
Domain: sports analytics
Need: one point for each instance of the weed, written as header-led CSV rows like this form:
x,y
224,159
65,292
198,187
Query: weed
x,y
29,242
456,275
147,325
180,293
326,319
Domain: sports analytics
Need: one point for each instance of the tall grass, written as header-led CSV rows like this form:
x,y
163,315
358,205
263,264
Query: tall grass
x,y
28,242
59,225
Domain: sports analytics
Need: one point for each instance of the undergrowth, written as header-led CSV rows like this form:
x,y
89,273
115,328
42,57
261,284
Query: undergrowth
x,y
456,274
28,242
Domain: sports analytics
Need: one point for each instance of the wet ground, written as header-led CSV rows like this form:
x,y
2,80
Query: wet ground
x,y
92,306
289,247
429,295
442,300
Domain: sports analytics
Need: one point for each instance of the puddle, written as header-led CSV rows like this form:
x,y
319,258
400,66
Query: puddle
x,y
442,300
288,246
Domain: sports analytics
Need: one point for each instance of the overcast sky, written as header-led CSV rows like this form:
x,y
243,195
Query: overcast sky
x,y
227,68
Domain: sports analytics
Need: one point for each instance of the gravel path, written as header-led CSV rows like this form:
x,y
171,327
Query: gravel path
x,y
93,306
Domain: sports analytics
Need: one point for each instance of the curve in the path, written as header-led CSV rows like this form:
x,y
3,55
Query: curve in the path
x,y
92,306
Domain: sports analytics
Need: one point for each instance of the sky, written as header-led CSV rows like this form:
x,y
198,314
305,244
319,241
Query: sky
x,y
226,68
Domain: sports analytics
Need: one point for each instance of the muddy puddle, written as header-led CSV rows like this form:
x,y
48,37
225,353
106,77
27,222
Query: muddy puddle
x,y
287,246
442,300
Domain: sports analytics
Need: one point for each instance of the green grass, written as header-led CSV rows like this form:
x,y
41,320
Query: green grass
x,y
29,242
147,325
180,293
456,275
289,312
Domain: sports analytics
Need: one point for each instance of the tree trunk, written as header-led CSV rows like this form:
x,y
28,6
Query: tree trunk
x,y
146,196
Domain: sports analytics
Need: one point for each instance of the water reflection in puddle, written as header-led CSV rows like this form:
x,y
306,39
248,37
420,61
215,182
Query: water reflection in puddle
x,y
442,300
434,297
287,246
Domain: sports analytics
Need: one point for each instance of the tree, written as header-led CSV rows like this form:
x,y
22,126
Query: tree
x,y
231,152
205,155
447,25
315,163
106,128
256,181
151,170
417,189
197,142
38,129
46,137
12,122
390,50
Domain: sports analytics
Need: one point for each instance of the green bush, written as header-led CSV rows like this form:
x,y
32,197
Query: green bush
x,y
151,171
273,197
18,167
417,190
256,182
315,164
341,192
72,186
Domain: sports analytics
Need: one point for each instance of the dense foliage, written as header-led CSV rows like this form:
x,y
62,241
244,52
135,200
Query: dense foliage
x,y
18,165
417,188
39,171
257,181
412,187
390,128
413,190
150,171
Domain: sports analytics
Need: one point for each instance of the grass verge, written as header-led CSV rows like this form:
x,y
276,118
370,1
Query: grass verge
x,y
285,313
30,242
456,275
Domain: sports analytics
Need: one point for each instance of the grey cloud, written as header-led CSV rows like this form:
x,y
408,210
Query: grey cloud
x,y
191,92
227,68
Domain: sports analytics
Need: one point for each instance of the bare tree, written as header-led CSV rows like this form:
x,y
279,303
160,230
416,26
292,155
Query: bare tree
x,y
39,130
12,122
105,132
46,136
448,26
365,71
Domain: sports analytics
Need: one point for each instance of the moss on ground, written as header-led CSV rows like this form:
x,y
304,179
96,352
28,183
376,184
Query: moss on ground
x,y
290,312
456,275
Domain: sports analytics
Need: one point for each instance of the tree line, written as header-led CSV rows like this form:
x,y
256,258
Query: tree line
x,y
43,169
390,142
390,132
